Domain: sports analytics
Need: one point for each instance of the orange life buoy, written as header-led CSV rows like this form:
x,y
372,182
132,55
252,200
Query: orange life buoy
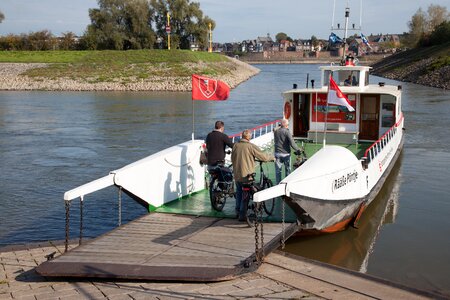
x,y
287,110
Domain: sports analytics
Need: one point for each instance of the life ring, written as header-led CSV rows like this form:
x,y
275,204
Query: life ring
x,y
287,110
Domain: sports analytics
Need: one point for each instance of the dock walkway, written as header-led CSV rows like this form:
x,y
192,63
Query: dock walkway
x,y
279,277
162,246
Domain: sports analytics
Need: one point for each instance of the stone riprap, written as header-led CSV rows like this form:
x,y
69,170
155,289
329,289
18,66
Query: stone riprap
x,y
416,72
12,78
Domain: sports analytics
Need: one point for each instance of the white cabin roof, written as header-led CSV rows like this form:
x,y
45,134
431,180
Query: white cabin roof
x,y
369,89
335,68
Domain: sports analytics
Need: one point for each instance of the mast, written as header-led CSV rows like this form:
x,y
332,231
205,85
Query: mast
x,y
347,15
346,28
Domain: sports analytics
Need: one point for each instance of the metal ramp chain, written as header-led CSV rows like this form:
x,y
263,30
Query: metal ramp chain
x,y
283,225
66,242
81,221
120,207
259,251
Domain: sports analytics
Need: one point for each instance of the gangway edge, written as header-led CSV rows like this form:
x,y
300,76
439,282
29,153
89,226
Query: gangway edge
x,y
90,187
273,192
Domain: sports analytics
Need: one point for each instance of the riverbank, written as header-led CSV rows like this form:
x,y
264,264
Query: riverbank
x,y
323,58
428,66
117,71
279,277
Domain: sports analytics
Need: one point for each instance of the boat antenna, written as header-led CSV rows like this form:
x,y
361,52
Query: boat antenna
x,y
346,29
347,15
360,14
334,9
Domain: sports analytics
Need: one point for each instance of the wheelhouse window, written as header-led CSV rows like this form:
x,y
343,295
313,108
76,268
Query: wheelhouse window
x,y
343,77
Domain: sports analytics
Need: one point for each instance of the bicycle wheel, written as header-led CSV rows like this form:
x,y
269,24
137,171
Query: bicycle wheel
x,y
249,213
268,205
216,196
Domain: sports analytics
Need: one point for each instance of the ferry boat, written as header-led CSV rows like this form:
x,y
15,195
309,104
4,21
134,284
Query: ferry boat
x,y
340,178
357,150
351,153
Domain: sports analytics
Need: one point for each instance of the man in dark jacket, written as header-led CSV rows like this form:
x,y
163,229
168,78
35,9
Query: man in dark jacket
x,y
283,143
216,142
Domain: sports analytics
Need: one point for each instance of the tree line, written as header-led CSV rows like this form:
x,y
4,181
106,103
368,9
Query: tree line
x,y
124,25
429,28
141,24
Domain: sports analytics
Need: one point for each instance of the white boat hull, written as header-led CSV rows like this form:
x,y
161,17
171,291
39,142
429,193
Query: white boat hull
x,y
334,215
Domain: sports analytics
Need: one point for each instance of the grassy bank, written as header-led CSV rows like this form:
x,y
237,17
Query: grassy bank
x,y
105,66
134,70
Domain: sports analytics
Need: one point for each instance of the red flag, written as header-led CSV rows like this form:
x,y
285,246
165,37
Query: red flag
x,y
335,96
204,88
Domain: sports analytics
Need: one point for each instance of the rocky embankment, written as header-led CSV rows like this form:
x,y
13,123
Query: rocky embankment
x,y
13,77
428,66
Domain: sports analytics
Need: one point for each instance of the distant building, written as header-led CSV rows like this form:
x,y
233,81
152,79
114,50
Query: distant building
x,y
304,45
264,43
379,42
358,47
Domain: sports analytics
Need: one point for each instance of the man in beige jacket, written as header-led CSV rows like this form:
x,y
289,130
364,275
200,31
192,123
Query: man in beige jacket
x,y
243,159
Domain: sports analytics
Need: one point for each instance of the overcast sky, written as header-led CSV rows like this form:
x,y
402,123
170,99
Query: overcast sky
x,y
235,20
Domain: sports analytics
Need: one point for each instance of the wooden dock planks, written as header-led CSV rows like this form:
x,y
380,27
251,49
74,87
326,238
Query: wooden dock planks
x,y
161,246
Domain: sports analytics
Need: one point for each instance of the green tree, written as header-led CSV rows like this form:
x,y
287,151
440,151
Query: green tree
x,y
314,41
187,22
68,41
2,17
436,15
281,36
120,25
441,34
417,25
423,24
41,40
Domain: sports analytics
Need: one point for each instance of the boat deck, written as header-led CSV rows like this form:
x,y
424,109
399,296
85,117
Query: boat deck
x,y
199,204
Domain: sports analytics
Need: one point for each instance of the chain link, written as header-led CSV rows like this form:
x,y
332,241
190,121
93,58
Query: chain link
x,y
256,234
262,232
66,242
120,206
259,230
81,221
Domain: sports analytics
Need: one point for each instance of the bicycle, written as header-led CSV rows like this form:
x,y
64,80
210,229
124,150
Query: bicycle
x,y
249,188
301,158
221,185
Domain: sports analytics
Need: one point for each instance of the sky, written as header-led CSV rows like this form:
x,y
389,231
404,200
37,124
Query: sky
x,y
235,20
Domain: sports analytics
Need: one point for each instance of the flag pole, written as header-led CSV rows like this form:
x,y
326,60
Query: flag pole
x,y
193,120
326,112
193,109
317,120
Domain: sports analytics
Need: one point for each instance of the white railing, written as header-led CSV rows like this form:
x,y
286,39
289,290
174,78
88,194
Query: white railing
x,y
382,142
257,131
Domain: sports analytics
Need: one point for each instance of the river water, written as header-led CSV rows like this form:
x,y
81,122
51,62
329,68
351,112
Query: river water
x,y
51,142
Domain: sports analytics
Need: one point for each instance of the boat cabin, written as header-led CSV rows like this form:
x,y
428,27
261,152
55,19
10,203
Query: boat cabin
x,y
377,108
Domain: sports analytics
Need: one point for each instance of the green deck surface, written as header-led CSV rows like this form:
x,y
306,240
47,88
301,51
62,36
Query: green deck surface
x,y
199,203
